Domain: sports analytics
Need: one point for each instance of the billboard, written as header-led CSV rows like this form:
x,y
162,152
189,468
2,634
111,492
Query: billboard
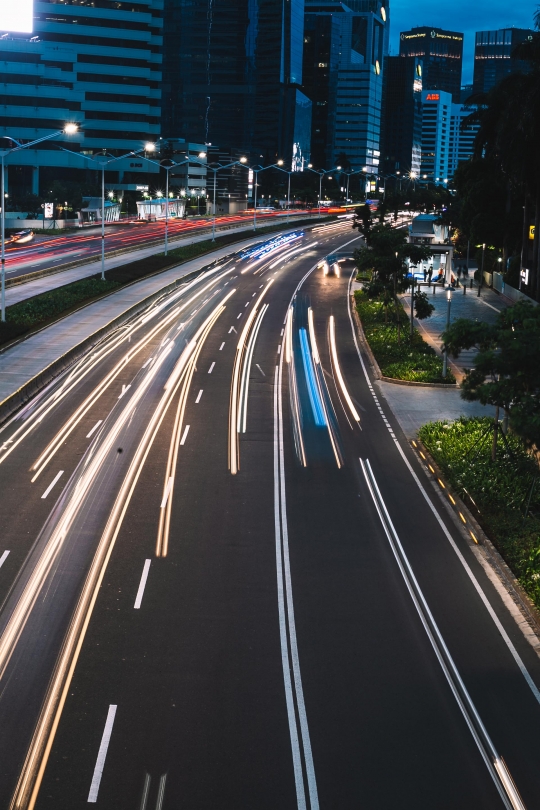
x,y
17,16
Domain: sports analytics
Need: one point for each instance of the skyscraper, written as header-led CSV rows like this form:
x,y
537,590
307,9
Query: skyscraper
x,y
232,75
436,110
96,65
493,58
401,141
344,48
441,53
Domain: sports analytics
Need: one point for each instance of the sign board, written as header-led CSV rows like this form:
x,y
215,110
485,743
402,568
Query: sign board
x,y
524,275
17,16
141,188
48,210
433,97
531,231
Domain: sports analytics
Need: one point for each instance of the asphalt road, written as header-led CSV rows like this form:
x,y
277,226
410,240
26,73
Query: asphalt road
x,y
45,252
237,593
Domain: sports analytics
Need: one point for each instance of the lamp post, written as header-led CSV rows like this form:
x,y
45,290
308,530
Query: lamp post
x,y
215,169
445,354
102,162
69,129
481,281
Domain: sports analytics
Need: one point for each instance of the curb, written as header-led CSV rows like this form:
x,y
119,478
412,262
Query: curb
x,y
375,366
52,271
18,398
483,547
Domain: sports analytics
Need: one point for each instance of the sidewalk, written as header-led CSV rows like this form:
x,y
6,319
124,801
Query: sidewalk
x,y
484,308
31,356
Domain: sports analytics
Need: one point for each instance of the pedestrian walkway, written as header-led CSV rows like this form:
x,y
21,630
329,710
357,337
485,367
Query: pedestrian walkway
x,y
466,304
28,358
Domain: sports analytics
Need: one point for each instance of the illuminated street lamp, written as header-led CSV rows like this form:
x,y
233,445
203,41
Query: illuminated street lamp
x,y
102,162
69,129
321,175
445,355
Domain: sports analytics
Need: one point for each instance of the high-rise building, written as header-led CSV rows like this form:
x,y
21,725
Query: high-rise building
x,y
436,111
401,142
441,53
345,44
493,59
461,137
232,76
94,64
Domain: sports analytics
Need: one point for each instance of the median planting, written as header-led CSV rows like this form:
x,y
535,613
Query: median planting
x,y
504,494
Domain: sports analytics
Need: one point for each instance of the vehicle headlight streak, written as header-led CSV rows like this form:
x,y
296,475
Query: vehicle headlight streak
x,y
234,461
293,390
81,370
339,375
92,398
27,789
292,253
244,385
321,385
192,351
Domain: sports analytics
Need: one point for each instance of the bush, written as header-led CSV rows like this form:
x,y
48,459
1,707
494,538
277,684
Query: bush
x,y
499,490
409,358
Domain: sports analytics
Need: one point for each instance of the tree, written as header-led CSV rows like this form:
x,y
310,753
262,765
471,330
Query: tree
x,y
384,258
362,219
506,369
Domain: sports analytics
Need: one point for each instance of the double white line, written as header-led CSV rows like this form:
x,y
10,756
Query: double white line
x,y
494,762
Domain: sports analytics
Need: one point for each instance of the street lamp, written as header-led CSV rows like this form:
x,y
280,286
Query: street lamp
x,y
102,162
69,129
321,175
445,354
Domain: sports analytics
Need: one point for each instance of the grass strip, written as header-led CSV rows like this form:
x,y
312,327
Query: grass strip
x,y
399,355
499,489
44,309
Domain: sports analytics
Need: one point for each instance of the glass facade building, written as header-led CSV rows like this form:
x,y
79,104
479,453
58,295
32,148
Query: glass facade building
x,y
401,141
344,49
441,53
436,111
232,72
95,63
493,58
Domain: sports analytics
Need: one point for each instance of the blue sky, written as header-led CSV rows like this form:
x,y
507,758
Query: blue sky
x,y
466,16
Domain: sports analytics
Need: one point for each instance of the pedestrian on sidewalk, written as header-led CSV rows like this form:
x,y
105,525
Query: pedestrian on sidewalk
x,y
424,268
430,274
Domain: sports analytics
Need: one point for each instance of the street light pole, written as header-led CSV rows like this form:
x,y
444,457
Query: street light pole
x,y
69,129
445,354
481,280
102,220
167,210
288,195
214,217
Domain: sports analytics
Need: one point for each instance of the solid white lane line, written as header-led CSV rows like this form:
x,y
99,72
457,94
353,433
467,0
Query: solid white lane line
x,y
142,584
289,700
199,395
184,435
222,345
88,435
124,389
166,493
53,482
102,753
478,588
295,658
3,558
211,367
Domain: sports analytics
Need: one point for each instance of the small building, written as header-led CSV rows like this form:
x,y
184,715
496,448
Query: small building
x,y
157,208
425,229
91,211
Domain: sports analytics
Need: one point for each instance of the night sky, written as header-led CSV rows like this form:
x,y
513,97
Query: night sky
x,y
466,16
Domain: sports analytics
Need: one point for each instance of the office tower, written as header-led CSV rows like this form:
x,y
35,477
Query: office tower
x,y
232,76
441,53
401,141
493,58
461,137
96,65
344,49
436,110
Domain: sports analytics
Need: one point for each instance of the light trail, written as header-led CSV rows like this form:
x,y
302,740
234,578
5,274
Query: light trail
x,y
244,384
233,407
335,361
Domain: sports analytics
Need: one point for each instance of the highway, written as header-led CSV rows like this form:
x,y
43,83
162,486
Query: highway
x,y
227,583
48,251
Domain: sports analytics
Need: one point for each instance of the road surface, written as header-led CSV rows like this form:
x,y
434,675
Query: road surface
x,y
227,584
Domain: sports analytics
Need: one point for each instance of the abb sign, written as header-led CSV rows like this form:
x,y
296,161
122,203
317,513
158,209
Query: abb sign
x,y
433,97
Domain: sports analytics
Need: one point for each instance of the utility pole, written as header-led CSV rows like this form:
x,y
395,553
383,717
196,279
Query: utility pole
x,y
445,354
